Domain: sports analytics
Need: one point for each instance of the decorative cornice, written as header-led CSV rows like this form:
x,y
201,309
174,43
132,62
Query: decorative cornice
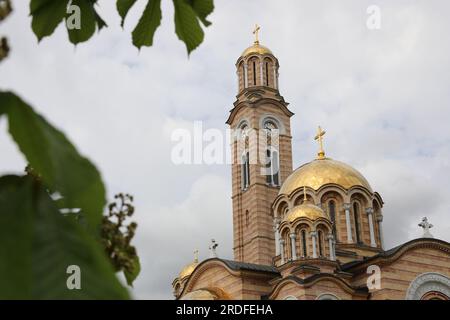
x,y
389,256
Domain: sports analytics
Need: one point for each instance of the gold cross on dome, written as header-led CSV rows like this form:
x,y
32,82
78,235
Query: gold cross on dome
x,y
319,138
256,32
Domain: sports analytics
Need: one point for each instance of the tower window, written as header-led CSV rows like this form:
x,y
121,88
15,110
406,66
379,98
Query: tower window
x,y
357,222
254,73
273,176
245,170
267,74
304,249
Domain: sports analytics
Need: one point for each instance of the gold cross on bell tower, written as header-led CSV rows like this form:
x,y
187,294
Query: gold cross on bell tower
x,y
256,32
319,138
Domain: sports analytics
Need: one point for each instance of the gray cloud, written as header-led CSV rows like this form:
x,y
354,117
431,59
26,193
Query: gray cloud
x,y
381,95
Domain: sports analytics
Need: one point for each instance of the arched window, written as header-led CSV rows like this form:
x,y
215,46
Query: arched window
x,y
332,213
245,170
273,164
357,222
267,73
304,248
273,159
254,73
327,296
320,238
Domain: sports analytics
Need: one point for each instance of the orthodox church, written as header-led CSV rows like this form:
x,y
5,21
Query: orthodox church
x,y
310,233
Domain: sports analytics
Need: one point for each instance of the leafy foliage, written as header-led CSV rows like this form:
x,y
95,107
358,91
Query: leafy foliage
x,y
147,25
39,244
50,154
116,237
48,14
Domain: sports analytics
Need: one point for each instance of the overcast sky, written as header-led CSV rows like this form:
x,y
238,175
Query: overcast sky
x,y
382,95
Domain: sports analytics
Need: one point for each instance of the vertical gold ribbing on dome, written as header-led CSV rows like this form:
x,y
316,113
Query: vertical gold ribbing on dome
x,y
256,33
319,138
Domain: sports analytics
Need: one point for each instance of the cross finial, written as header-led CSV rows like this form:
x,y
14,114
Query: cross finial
x,y
196,256
212,249
425,225
319,138
256,32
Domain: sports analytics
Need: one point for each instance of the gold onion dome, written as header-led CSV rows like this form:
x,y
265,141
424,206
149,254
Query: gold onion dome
x,y
322,171
256,47
305,210
188,269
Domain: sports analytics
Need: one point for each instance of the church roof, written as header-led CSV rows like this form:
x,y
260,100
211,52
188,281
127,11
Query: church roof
x,y
393,251
237,265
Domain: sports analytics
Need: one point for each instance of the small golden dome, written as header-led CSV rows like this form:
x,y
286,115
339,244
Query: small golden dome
x,y
256,48
187,270
305,210
319,172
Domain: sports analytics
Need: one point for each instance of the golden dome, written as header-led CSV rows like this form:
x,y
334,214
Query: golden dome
x,y
305,210
206,294
323,171
256,48
187,270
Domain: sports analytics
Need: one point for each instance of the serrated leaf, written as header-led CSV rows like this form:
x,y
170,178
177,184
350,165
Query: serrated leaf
x,y
46,16
38,244
123,6
148,23
87,21
203,8
187,26
52,156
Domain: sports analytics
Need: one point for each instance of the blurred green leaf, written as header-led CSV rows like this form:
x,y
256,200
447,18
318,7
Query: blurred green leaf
x,y
123,6
52,156
130,276
203,8
38,244
47,15
87,19
147,25
187,26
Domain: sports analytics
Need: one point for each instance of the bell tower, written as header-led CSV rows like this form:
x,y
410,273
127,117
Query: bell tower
x,y
261,153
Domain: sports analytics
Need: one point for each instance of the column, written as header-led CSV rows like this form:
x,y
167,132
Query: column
x,y
313,237
332,248
348,222
276,228
369,212
245,75
380,229
283,259
293,246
